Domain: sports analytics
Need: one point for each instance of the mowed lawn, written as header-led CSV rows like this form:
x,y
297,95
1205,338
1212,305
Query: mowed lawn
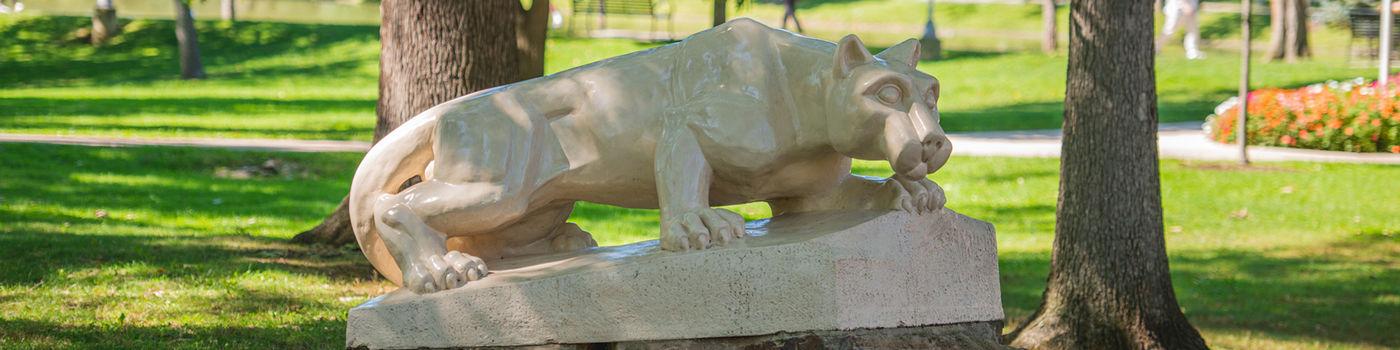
x,y
183,248
308,81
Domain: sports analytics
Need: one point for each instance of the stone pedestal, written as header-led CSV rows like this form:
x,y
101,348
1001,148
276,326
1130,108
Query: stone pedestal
x,y
821,277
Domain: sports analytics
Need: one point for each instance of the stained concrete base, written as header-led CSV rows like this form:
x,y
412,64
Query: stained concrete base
x,y
828,275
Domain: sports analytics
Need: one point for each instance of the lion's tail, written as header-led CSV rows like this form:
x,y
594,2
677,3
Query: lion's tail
x,y
394,160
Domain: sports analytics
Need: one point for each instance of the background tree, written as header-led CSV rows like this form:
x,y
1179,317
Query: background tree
x,y
1288,26
191,67
1109,286
104,22
719,13
531,31
432,51
227,10
1048,41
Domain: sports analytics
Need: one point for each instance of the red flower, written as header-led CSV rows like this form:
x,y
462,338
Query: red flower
x,y
1395,149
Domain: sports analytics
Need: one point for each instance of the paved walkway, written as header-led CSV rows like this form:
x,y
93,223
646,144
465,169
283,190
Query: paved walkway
x,y
1175,141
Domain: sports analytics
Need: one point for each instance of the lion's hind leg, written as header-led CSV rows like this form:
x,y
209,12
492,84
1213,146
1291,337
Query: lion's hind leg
x,y
420,252
416,223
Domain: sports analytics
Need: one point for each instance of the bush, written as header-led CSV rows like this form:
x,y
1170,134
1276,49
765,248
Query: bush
x,y
1352,116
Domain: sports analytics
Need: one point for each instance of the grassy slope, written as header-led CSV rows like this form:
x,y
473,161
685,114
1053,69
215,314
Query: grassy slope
x,y
186,258
276,80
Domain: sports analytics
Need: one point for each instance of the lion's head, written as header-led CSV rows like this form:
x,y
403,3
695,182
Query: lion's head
x,y
882,108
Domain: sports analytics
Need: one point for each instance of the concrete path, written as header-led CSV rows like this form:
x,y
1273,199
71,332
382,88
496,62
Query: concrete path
x,y
1175,141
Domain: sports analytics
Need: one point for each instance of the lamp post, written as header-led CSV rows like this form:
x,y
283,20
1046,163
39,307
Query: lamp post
x,y
1241,124
931,48
1386,23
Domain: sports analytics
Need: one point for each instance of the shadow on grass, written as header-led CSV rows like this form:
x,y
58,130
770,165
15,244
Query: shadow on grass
x,y
950,55
31,257
1334,293
126,107
147,51
292,335
116,113
163,206
1050,115
230,277
164,180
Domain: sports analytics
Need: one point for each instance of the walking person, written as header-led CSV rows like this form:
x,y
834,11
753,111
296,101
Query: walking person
x,y
1182,13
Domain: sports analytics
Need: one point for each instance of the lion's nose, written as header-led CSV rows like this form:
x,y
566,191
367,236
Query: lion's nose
x,y
933,144
934,141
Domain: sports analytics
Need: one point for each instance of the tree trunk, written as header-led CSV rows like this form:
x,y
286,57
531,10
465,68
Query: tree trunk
x,y
1288,28
104,22
226,9
1048,42
531,31
432,51
1109,286
719,13
190,65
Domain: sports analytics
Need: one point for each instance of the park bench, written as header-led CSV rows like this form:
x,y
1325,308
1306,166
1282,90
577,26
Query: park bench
x,y
603,8
1365,25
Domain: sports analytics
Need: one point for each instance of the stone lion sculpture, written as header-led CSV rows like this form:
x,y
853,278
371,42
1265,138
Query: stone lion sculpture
x,y
738,113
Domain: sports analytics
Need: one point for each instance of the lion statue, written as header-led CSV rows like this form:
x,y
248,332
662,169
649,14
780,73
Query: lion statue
x,y
738,113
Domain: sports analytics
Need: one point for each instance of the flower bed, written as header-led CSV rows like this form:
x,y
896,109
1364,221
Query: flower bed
x,y
1352,116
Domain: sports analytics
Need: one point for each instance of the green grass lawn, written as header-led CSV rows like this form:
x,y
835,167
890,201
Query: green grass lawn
x,y
184,255
307,81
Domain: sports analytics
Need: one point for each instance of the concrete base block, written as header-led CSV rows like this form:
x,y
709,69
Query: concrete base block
x,y
835,274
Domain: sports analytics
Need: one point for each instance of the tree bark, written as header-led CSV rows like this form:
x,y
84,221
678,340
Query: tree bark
x,y
432,51
227,10
191,67
1288,28
719,13
531,31
104,22
1109,286
1048,42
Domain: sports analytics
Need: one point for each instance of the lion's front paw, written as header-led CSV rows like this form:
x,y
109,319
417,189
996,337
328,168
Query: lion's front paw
x,y
442,272
700,229
916,196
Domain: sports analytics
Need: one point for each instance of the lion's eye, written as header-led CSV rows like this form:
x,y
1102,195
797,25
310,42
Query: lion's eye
x,y
889,94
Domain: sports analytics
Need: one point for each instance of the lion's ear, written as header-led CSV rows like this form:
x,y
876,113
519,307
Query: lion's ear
x,y
906,52
850,53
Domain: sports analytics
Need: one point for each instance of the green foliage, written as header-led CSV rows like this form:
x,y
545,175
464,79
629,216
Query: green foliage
x,y
169,248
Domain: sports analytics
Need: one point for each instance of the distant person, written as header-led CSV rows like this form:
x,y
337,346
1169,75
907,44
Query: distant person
x,y
15,7
1183,13
790,11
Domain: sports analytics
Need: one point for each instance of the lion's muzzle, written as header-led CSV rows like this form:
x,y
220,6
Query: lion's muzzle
x,y
916,146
